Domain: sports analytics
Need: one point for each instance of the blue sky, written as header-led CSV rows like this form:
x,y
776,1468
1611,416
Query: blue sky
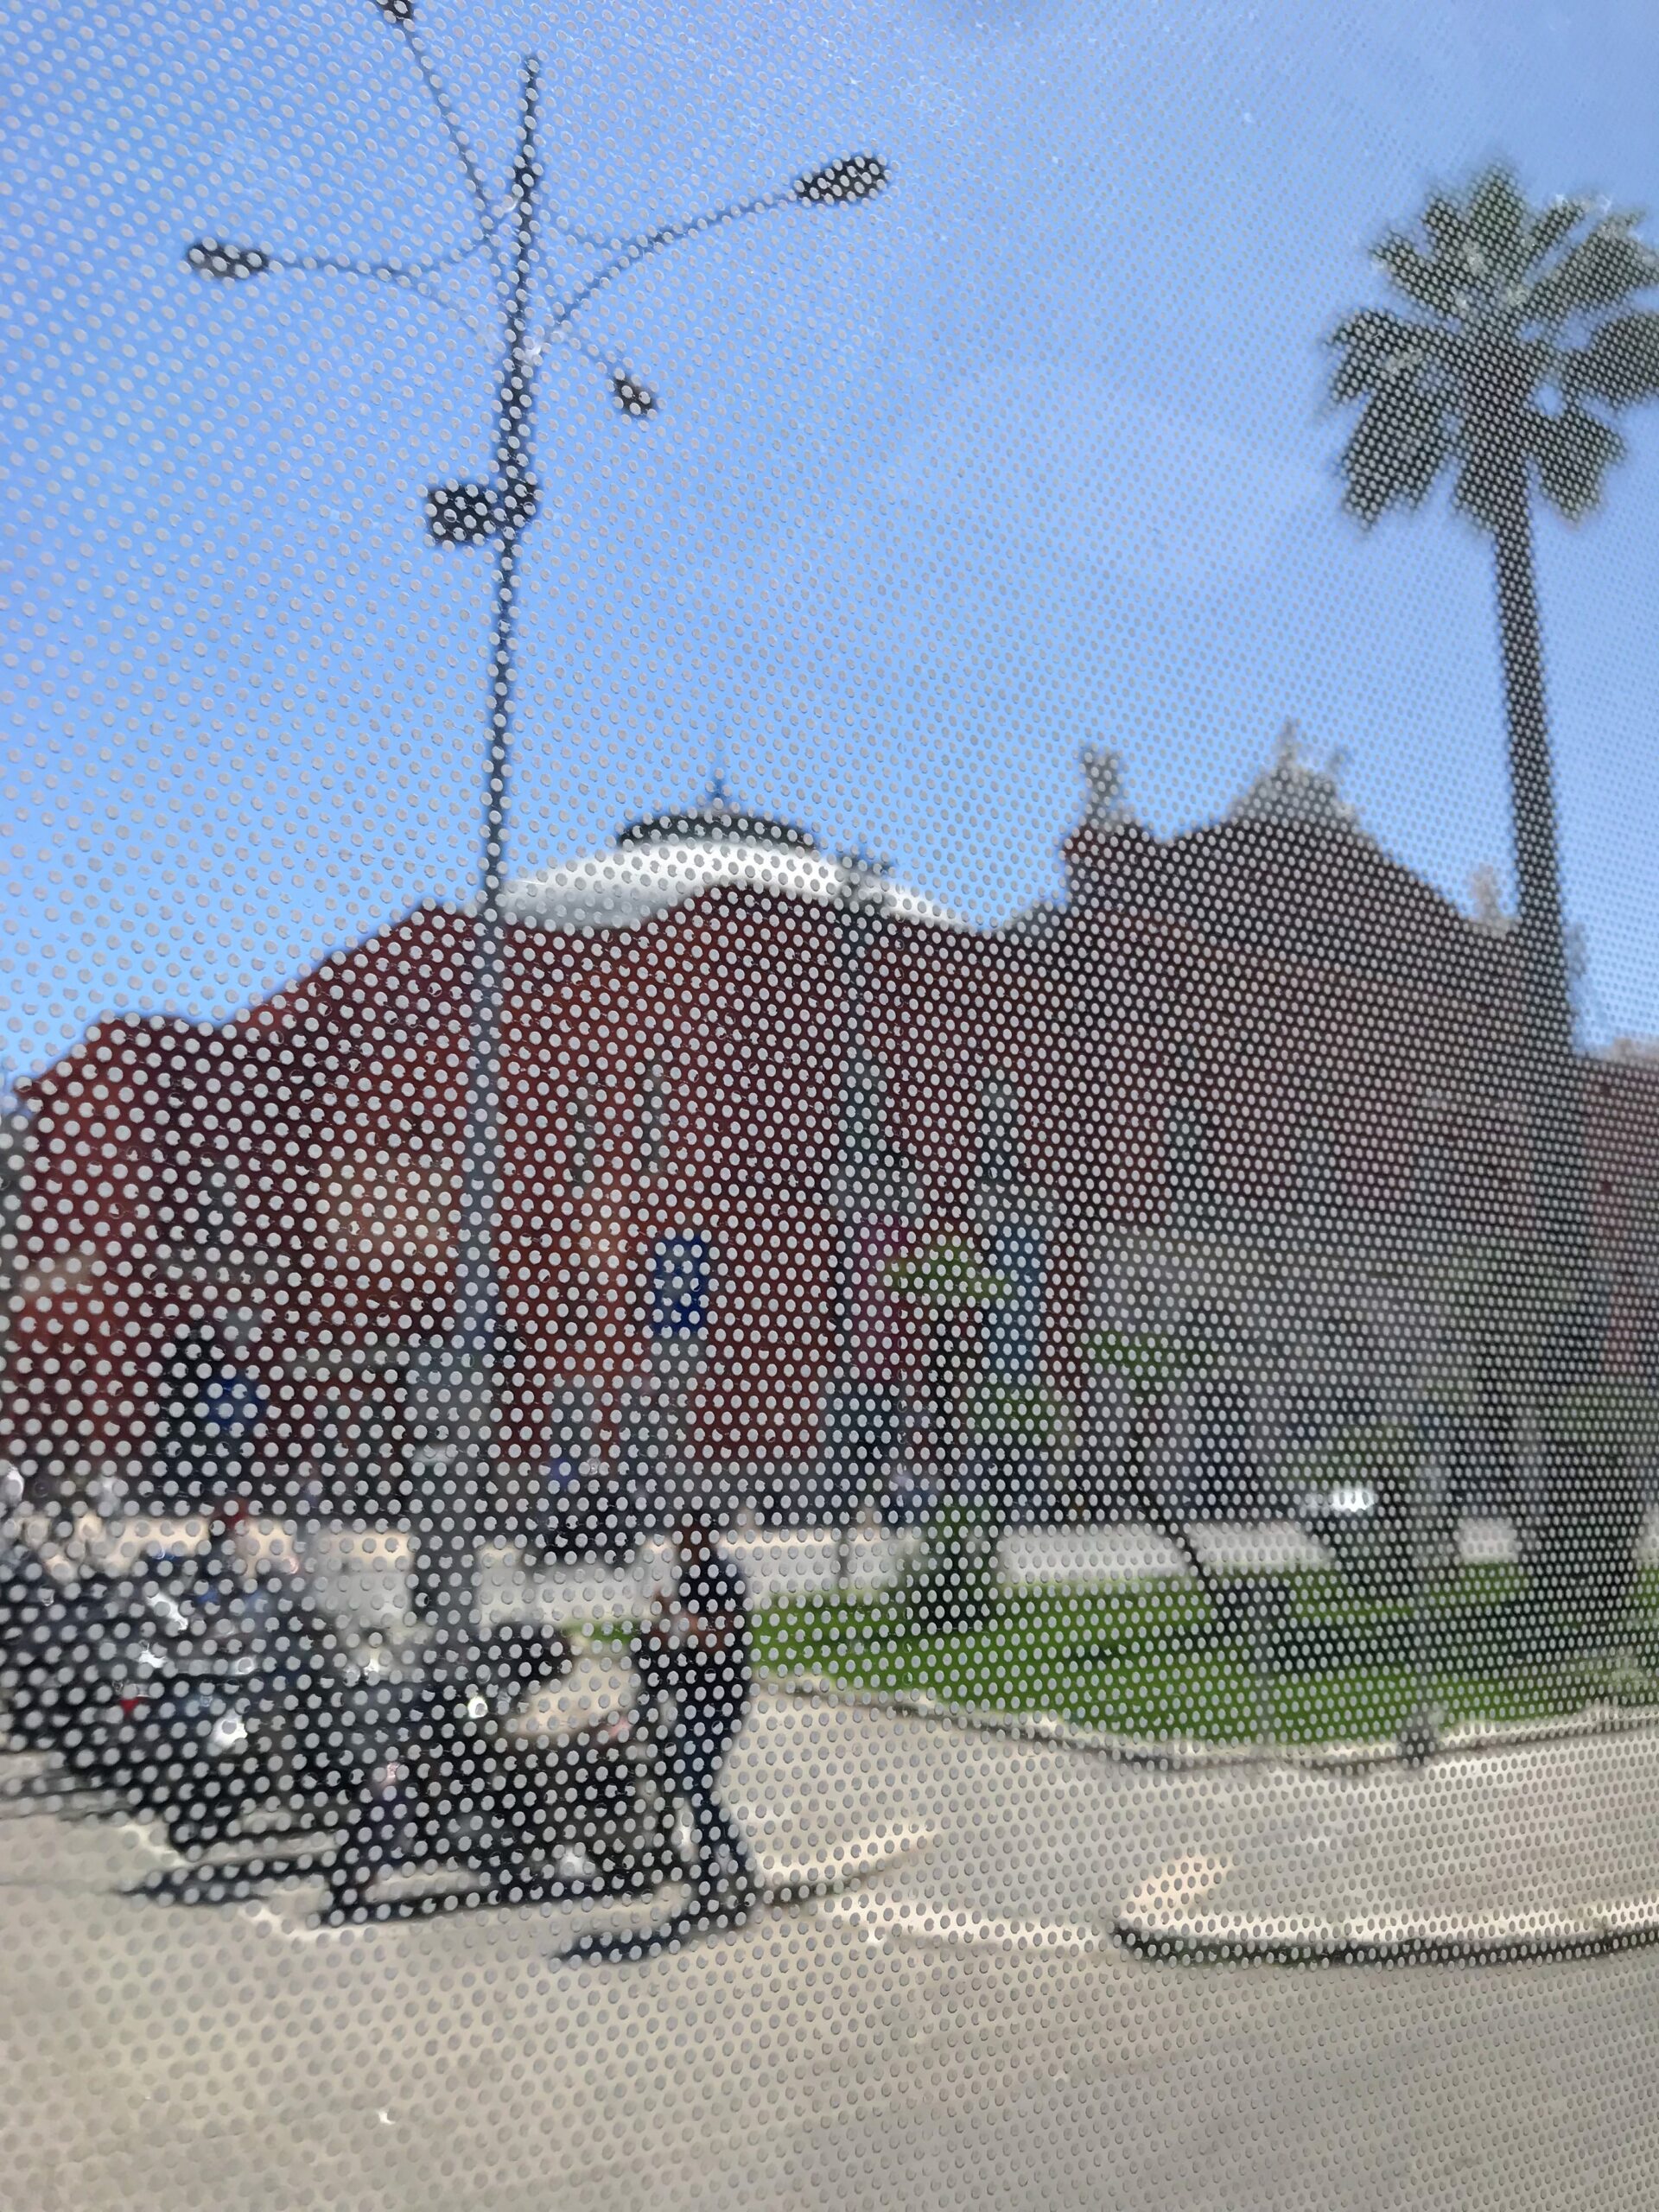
x,y
1029,453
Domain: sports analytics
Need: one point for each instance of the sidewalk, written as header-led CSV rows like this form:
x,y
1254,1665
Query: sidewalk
x,y
1549,1850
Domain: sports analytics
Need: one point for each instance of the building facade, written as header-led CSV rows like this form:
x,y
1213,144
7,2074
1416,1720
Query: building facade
x,y
1255,1088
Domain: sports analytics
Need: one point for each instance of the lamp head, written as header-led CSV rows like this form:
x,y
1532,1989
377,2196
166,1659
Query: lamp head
x,y
635,399
855,176
229,264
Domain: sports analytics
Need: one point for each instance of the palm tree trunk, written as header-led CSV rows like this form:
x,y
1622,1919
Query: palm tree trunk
x,y
1583,1572
1555,1100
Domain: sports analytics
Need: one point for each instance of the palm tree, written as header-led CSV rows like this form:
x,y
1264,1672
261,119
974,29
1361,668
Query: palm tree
x,y
1518,348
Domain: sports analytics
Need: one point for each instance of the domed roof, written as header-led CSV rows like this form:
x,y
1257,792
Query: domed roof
x,y
658,864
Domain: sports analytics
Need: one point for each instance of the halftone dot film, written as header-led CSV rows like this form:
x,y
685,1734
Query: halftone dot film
x,y
828,1111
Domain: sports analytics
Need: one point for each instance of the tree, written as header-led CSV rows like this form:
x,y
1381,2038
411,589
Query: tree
x,y
1153,1367
1504,1300
1518,347
951,1586
1586,1582
953,1287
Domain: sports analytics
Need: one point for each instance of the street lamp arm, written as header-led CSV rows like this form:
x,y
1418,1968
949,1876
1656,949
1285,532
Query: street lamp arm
x,y
598,241
569,334
853,177
483,332
487,215
387,271
235,263
633,251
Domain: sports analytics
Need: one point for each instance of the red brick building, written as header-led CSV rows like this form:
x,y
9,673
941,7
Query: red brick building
x,y
738,1076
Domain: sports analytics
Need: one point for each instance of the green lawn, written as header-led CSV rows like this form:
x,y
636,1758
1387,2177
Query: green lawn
x,y
1138,1658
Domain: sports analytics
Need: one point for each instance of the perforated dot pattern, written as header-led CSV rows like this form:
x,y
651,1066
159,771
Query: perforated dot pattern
x,y
829,1128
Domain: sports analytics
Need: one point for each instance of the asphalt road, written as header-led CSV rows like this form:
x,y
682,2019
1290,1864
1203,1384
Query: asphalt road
x,y
959,2030
954,2031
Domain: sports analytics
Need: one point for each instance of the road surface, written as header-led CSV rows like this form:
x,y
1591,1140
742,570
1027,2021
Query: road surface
x,y
961,2031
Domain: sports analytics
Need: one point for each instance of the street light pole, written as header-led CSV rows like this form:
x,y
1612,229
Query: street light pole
x,y
870,1183
468,1370
459,1384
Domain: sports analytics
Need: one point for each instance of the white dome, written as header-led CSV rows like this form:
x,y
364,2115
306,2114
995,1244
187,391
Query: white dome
x,y
658,864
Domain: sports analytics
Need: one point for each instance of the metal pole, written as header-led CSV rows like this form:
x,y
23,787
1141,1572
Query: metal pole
x,y
475,1351
862,1141
1420,1729
454,1383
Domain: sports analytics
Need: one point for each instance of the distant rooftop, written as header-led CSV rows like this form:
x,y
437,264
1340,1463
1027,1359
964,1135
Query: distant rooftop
x,y
658,864
1291,789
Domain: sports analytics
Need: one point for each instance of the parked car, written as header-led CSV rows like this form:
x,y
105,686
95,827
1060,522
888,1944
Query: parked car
x,y
569,1801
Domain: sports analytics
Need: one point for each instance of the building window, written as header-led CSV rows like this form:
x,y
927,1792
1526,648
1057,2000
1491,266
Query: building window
x,y
681,1278
654,1121
584,1134
999,1132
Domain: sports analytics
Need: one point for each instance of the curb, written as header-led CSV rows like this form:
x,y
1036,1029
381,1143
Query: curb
x,y
1164,1921
909,1924
1411,1944
1180,1753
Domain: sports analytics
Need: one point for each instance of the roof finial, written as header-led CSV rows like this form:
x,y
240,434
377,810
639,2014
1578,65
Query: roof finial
x,y
1293,790
718,798
1486,895
1102,771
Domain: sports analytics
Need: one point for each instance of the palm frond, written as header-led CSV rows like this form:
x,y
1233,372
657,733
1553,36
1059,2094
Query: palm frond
x,y
1446,226
1619,366
1573,451
1553,225
1399,446
1379,349
1498,225
1600,272
1510,305
1427,282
